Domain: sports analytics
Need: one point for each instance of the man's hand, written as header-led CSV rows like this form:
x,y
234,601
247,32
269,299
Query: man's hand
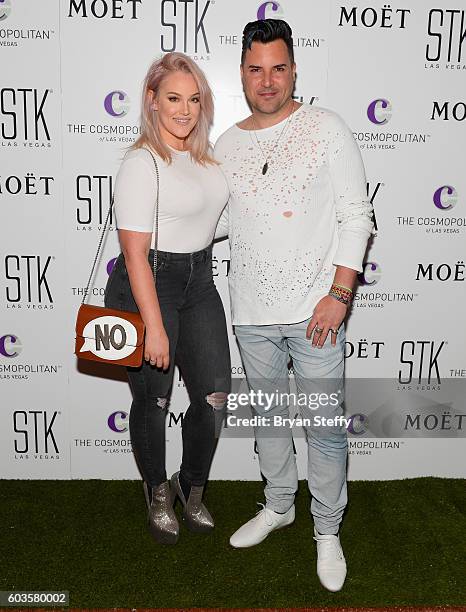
x,y
327,317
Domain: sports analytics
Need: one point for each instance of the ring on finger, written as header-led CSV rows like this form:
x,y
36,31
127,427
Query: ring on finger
x,y
334,331
319,330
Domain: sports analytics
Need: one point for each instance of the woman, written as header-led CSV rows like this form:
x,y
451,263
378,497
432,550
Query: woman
x,y
183,313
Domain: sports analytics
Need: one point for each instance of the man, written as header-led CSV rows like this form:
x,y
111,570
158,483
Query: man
x,y
298,221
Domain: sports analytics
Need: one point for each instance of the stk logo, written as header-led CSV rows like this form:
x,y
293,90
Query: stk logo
x,y
94,194
445,27
10,345
23,113
269,10
379,111
421,357
28,276
445,197
184,28
116,103
35,431
5,9
118,421
370,274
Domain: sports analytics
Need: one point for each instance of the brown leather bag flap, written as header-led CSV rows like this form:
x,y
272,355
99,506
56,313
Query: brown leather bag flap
x,y
88,323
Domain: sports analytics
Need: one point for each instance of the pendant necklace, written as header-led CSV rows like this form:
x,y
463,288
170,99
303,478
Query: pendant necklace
x,y
265,167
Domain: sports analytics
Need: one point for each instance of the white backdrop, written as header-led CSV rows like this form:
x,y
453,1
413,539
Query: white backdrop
x,y
71,73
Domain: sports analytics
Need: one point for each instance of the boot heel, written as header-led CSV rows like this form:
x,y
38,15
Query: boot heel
x,y
195,514
146,494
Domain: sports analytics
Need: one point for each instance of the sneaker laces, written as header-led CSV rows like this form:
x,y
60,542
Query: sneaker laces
x,y
329,548
263,513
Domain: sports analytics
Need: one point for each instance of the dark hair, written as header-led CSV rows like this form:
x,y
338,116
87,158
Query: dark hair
x,y
265,31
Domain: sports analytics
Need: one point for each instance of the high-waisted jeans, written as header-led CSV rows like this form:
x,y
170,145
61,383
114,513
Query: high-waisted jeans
x,y
194,321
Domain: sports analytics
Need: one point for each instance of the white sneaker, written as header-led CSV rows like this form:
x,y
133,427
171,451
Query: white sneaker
x,y
331,564
258,528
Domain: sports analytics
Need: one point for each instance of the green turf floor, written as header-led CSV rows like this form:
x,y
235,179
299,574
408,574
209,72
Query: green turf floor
x,y
404,543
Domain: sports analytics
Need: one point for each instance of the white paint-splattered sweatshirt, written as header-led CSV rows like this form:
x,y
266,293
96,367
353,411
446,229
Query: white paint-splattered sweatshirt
x,y
290,227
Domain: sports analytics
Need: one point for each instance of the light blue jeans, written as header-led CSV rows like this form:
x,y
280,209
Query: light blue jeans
x,y
266,351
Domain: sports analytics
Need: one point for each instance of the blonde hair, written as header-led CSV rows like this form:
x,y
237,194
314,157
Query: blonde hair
x,y
198,140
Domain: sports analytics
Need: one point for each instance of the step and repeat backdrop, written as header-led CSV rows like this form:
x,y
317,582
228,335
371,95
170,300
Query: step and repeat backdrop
x,y
70,86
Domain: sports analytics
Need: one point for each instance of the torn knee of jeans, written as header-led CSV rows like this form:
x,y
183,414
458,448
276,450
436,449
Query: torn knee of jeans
x,y
217,400
162,402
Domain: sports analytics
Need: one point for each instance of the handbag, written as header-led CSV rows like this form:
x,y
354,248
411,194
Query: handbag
x,y
109,335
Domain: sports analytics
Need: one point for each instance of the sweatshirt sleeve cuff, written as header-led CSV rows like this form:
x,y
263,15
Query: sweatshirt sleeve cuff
x,y
350,253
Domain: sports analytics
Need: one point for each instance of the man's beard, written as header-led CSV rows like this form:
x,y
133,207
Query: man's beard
x,y
269,110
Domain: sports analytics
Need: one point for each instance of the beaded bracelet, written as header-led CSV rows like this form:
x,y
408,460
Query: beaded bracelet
x,y
341,299
342,287
341,293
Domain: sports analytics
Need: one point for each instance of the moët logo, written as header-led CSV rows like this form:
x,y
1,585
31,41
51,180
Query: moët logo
x,y
369,17
442,272
453,110
100,9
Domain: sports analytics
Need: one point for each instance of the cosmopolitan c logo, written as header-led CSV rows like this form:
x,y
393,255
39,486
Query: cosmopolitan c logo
x,y
370,274
445,197
379,111
118,421
10,345
116,103
111,265
358,424
269,10
5,9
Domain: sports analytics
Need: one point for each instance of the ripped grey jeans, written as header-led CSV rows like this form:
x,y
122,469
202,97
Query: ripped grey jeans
x,y
194,321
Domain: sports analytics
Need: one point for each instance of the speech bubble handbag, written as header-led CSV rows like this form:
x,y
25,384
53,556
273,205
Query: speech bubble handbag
x,y
109,335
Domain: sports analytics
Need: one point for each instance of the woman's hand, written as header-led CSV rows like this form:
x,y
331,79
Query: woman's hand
x,y
157,347
327,317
